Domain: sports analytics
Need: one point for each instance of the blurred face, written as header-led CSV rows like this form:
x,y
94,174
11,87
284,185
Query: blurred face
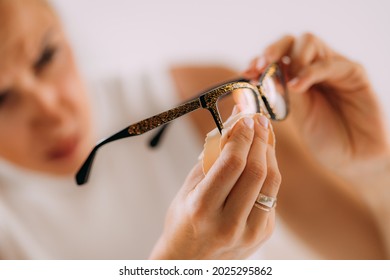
x,y
44,111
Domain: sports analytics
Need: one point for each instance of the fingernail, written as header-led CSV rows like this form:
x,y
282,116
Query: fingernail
x,y
249,122
293,82
261,62
235,110
225,131
286,60
263,120
240,108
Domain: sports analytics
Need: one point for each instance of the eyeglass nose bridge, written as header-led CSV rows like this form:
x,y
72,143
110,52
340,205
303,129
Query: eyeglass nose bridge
x,y
209,102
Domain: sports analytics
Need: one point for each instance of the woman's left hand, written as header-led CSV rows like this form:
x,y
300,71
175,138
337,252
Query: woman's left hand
x,y
332,103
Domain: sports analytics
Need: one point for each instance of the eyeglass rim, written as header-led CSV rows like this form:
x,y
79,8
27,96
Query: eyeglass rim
x,y
274,67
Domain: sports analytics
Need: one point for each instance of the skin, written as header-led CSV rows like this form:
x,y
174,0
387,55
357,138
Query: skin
x,y
219,206
346,230
339,119
44,111
326,85
340,154
46,127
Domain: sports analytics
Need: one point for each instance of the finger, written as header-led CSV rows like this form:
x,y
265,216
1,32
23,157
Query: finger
x,y
270,188
330,71
226,170
251,72
307,49
274,52
259,233
243,195
280,48
194,177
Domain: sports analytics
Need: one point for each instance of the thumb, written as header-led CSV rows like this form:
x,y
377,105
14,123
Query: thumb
x,y
193,178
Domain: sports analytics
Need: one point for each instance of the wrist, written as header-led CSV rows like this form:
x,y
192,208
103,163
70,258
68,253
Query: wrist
x,y
371,179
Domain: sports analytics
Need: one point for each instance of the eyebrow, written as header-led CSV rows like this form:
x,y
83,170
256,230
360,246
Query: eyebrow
x,y
45,39
42,48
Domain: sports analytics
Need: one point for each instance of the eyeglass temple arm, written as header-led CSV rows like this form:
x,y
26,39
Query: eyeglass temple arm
x,y
83,173
134,130
156,138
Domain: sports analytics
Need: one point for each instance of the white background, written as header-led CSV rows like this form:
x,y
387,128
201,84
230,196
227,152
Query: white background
x,y
126,35
287,269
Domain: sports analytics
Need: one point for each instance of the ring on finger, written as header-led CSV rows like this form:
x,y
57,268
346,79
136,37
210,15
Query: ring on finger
x,y
261,207
265,203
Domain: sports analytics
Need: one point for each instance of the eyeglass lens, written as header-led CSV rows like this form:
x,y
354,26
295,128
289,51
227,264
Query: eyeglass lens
x,y
273,88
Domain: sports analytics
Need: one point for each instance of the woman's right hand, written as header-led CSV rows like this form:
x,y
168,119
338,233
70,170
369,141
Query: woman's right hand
x,y
213,216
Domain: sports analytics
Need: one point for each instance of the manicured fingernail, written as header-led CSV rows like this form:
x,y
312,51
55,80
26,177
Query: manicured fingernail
x,y
225,131
286,60
249,122
293,82
263,120
261,62
235,110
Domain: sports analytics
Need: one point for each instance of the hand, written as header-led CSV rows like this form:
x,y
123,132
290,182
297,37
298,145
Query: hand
x,y
332,103
213,216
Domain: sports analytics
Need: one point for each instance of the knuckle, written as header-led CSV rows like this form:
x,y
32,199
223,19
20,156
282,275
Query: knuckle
x,y
358,68
198,211
196,214
253,236
270,50
309,37
228,234
274,177
261,233
261,135
243,135
308,73
288,37
257,170
273,48
233,162
326,63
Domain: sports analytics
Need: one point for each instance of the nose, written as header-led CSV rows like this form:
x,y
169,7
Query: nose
x,y
46,105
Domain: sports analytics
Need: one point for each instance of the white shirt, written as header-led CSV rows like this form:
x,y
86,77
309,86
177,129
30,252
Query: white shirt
x,y
120,213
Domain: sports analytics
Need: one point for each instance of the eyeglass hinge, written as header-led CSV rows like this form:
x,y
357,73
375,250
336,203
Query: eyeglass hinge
x,y
203,102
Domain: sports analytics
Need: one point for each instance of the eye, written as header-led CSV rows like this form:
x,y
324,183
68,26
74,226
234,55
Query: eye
x,y
45,58
4,96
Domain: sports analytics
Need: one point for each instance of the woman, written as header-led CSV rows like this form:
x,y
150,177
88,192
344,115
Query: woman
x,y
46,125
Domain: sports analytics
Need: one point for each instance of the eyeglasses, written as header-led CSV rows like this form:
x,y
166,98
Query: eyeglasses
x,y
268,95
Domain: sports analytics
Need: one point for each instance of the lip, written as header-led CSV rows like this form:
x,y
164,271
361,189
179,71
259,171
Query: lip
x,y
64,148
